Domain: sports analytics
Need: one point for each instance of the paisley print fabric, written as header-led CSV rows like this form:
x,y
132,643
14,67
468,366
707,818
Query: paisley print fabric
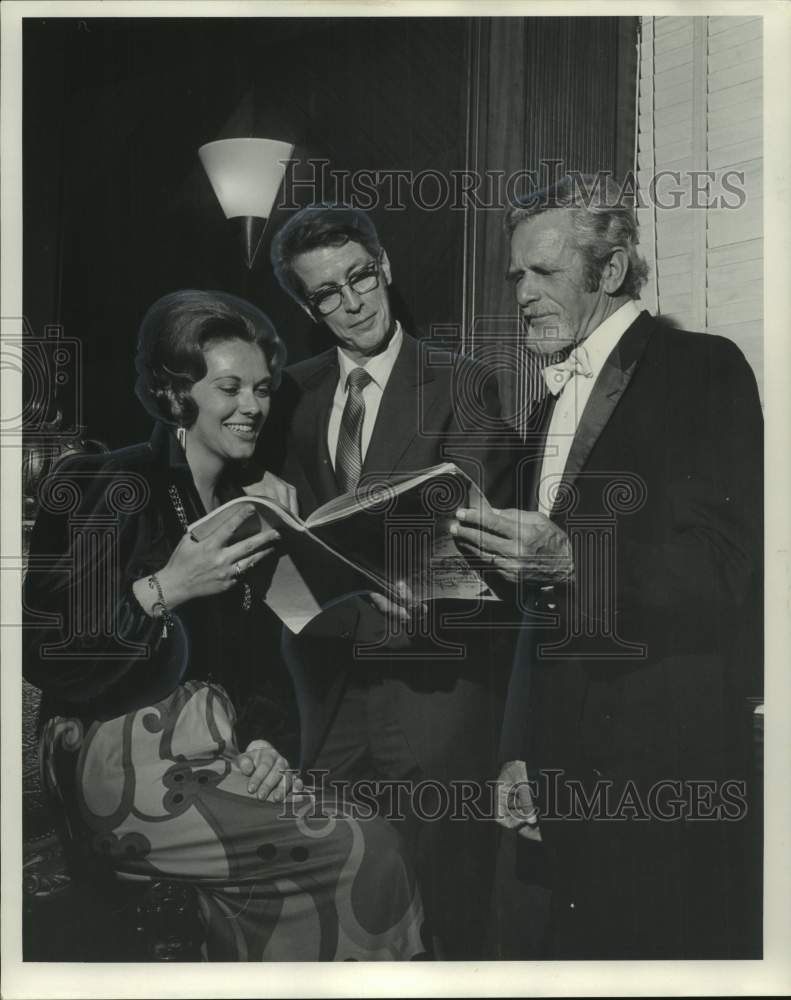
x,y
157,792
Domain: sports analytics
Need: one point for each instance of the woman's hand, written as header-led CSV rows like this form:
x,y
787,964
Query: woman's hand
x,y
275,488
268,771
212,565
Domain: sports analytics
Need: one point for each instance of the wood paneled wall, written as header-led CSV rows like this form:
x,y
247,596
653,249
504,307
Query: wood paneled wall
x,y
701,112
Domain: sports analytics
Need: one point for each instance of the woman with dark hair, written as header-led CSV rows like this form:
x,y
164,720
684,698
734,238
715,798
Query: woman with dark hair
x,y
143,640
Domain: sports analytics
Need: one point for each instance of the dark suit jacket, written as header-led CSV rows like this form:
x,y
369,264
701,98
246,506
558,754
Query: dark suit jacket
x,y
436,407
639,671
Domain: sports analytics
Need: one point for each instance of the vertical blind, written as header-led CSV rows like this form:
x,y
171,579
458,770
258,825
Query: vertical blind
x,y
700,110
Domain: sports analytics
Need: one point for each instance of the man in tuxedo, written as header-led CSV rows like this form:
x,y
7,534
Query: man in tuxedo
x,y
413,704
635,549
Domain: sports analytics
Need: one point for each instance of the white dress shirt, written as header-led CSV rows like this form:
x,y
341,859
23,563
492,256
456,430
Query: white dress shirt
x,y
379,368
573,398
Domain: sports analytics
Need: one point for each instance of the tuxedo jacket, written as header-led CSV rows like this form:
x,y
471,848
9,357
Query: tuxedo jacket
x,y
436,407
638,670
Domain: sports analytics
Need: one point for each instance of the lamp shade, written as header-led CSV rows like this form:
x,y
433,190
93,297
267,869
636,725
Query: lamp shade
x,y
245,174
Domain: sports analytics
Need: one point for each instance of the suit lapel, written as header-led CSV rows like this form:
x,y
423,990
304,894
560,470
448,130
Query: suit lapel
x,y
311,435
409,395
611,384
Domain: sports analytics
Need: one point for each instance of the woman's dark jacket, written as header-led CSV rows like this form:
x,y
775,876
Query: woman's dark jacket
x,y
105,521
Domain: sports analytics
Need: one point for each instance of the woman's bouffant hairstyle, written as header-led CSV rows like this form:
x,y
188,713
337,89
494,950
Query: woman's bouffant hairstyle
x,y
322,225
173,336
601,219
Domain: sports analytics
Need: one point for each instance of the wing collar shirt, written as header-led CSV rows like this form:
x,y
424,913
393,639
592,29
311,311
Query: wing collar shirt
x,y
573,398
379,368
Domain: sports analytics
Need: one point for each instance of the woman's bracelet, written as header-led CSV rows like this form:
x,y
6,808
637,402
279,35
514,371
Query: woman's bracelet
x,y
159,609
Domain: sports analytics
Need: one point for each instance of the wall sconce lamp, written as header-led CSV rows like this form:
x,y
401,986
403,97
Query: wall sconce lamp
x,y
246,175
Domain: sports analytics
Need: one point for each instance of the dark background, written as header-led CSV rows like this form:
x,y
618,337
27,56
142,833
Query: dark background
x,y
118,210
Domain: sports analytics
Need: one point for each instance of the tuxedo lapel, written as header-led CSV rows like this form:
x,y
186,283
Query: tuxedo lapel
x,y
534,429
611,384
534,443
409,395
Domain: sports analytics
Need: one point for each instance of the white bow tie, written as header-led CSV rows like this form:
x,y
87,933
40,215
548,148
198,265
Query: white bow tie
x,y
577,363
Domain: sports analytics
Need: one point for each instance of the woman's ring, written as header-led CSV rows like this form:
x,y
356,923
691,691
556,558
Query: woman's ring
x,y
238,570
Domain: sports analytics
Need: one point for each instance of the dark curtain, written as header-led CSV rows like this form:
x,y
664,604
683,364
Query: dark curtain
x,y
118,211
548,95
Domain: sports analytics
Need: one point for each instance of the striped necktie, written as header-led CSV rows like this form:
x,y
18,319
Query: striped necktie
x,y
348,457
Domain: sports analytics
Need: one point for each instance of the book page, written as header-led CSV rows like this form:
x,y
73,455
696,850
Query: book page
x,y
340,507
290,597
270,514
307,578
409,540
449,575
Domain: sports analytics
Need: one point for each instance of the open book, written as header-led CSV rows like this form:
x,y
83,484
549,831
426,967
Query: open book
x,y
386,532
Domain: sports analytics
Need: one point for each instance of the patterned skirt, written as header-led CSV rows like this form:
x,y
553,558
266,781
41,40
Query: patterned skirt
x,y
158,793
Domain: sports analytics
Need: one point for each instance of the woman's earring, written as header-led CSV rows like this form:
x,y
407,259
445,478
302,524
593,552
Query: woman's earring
x,y
181,437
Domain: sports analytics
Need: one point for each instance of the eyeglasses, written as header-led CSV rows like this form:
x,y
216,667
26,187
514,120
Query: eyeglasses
x,y
330,298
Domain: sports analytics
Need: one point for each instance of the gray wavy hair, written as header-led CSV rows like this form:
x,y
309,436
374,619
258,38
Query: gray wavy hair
x,y
601,221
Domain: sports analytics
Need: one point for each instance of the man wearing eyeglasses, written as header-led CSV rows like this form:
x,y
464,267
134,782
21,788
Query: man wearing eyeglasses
x,y
376,404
